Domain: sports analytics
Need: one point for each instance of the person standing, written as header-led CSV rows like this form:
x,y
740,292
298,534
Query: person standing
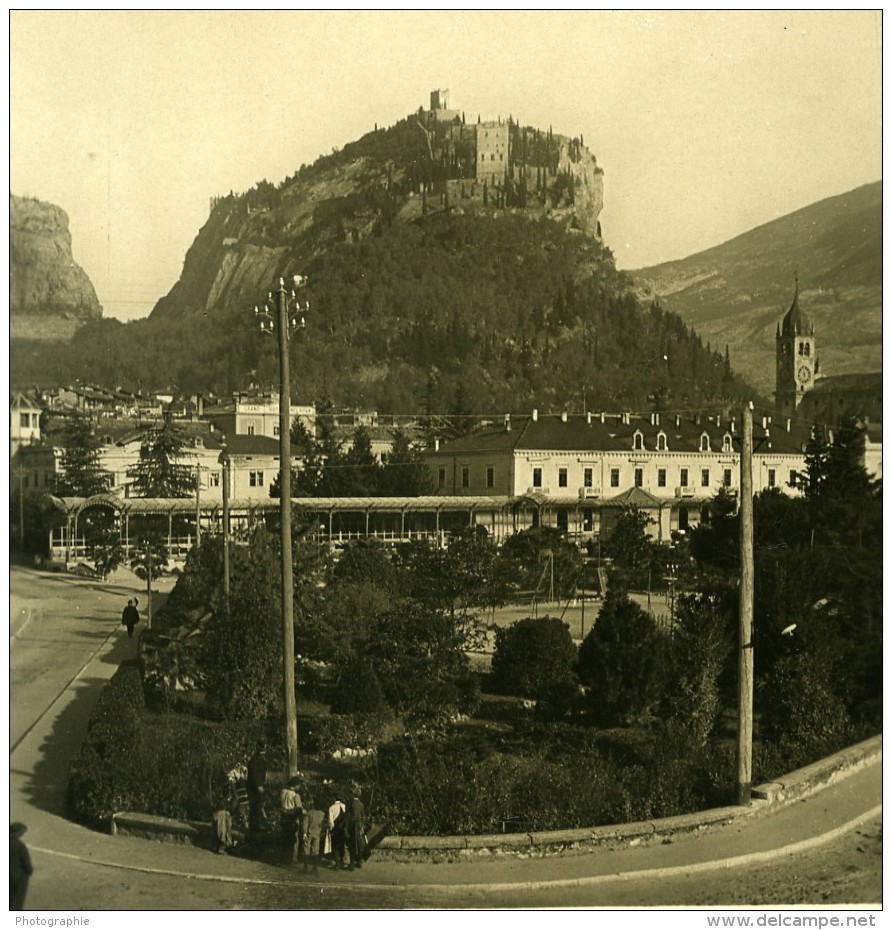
x,y
291,807
20,868
130,617
257,788
334,822
354,830
313,832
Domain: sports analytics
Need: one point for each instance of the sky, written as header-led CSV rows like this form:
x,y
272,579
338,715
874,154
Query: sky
x,y
706,124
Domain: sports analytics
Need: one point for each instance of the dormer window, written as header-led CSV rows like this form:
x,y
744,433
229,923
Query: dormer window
x,y
661,441
704,442
726,442
638,441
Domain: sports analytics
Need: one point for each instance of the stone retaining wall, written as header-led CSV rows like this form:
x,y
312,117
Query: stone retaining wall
x,y
766,798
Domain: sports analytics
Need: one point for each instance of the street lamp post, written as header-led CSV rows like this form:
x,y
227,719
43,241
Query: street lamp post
x,y
224,461
286,321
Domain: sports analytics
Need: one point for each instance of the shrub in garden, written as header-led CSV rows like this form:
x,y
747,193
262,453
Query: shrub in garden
x,y
534,658
418,654
133,760
358,689
243,655
111,733
802,716
621,661
701,644
548,778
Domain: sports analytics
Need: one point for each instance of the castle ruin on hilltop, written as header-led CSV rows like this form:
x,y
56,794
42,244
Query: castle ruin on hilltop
x,y
503,164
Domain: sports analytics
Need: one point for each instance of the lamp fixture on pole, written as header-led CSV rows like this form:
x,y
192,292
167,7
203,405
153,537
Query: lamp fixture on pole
x,y
282,320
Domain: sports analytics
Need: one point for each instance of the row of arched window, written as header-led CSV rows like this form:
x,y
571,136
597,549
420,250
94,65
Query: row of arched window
x,y
661,446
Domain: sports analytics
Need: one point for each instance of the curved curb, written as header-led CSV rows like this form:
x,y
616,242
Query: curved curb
x,y
451,888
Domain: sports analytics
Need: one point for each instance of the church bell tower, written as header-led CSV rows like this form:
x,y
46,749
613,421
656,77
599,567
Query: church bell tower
x,y
796,358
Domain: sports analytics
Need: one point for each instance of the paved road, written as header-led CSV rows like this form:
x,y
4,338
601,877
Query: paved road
x,y
66,641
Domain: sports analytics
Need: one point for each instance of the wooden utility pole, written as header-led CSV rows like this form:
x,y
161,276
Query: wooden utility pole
x,y
745,630
285,499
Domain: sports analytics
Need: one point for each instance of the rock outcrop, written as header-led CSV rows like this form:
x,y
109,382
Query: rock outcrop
x,y
50,295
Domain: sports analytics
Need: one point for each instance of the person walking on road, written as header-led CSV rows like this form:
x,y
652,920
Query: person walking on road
x,y
20,868
130,617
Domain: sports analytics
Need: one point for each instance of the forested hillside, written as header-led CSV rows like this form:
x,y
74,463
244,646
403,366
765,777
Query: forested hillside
x,y
428,291
736,292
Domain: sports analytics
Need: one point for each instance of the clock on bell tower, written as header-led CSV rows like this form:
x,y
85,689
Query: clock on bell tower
x,y
796,359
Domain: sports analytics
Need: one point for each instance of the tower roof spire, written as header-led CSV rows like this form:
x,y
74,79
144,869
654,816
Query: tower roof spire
x,y
795,323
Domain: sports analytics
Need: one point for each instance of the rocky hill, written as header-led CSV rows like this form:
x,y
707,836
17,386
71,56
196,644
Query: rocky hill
x,y
423,165
735,293
50,295
453,268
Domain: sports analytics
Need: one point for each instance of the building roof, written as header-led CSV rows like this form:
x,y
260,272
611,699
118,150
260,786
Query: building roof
x,y
23,401
576,433
857,382
795,322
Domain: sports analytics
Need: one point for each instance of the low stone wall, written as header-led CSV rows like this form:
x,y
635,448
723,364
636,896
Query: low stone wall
x,y
765,798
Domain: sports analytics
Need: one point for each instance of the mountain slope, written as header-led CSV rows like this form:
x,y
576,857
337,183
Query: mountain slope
x,y
430,288
735,293
50,295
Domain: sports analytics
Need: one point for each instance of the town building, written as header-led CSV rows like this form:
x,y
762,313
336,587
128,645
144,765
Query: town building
x,y
253,413
24,422
577,473
254,461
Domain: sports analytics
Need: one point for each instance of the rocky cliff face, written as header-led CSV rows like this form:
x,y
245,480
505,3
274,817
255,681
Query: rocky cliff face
x,y
50,295
398,175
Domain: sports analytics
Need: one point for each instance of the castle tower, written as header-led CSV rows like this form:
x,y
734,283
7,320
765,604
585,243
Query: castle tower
x,y
796,358
440,99
492,152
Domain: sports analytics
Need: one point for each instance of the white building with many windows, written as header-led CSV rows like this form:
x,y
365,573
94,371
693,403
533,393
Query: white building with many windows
x,y
576,473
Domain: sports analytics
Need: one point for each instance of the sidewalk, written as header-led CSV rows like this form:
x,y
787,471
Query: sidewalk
x,y
795,827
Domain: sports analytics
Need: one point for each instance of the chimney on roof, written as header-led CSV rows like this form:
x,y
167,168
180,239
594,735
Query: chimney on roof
x,y
436,445
199,403
789,424
764,422
602,418
535,414
697,420
677,421
507,422
588,418
654,419
563,416
732,426
625,418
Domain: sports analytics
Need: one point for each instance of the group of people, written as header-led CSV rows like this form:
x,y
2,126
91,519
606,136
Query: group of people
x,y
314,832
